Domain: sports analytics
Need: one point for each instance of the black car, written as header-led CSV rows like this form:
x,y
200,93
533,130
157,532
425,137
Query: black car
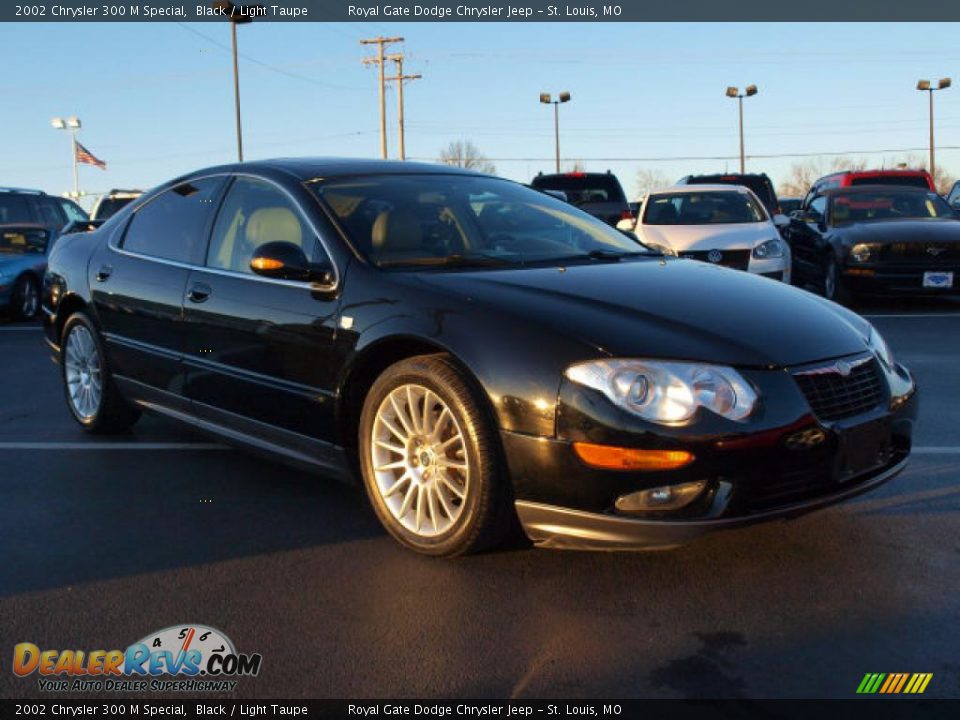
x,y
876,240
599,194
760,183
476,351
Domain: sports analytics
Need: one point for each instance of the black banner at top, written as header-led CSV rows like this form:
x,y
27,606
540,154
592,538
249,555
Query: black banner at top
x,y
594,11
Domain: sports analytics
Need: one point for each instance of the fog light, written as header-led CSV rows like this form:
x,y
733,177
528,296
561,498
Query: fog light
x,y
668,497
610,457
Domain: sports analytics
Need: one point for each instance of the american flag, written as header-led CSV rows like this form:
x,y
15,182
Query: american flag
x,y
85,156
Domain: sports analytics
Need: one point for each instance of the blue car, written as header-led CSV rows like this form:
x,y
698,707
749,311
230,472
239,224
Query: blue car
x,y
30,222
23,259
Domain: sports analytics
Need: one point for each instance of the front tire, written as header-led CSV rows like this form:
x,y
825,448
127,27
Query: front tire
x,y
429,457
91,395
834,287
25,299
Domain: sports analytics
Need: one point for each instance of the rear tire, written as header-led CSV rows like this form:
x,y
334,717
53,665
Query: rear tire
x,y
25,298
91,394
430,460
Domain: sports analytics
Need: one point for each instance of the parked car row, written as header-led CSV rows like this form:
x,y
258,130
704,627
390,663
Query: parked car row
x,y
854,233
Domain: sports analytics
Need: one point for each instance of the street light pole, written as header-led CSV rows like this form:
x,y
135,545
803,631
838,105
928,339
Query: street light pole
x,y
236,90
237,15
733,92
925,85
546,99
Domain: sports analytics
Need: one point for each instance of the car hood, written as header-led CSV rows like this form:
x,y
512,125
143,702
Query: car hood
x,y
666,308
890,231
682,238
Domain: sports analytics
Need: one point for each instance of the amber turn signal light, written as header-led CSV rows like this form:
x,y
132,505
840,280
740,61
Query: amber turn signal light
x,y
263,263
610,457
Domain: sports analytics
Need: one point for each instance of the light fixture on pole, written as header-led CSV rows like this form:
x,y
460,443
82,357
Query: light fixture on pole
x,y
925,85
546,99
733,92
71,125
237,15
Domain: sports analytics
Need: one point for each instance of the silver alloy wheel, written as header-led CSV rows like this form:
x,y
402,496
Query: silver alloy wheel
x,y
83,370
419,458
29,300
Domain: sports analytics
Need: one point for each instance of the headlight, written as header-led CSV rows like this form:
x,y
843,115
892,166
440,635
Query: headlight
x,y
879,346
662,249
772,248
667,393
864,252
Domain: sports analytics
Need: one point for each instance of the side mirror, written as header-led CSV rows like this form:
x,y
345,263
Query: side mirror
x,y
286,261
781,220
812,217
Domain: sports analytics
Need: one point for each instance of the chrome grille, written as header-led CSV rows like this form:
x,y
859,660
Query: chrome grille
x,y
736,259
833,396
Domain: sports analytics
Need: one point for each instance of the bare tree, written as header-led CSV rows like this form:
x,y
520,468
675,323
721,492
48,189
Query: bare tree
x,y
463,153
650,181
942,180
803,174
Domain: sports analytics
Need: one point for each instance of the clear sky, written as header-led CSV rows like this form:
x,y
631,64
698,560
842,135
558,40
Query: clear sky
x,y
156,99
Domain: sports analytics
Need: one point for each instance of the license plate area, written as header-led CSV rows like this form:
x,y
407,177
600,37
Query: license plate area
x,y
863,448
937,279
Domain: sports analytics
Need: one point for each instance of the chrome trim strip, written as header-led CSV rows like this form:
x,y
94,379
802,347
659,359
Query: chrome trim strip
x,y
831,369
197,362
142,346
112,244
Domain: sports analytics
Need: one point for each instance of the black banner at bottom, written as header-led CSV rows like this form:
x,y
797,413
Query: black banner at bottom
x,y
875,709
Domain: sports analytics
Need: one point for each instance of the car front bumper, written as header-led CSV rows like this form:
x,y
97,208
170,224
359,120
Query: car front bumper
x,y
550,526
897,279
758,474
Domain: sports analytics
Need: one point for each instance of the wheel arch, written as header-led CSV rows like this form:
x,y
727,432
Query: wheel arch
x,y
69,305
376,357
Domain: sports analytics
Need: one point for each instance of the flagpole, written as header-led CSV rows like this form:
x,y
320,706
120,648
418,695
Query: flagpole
x,y
76,174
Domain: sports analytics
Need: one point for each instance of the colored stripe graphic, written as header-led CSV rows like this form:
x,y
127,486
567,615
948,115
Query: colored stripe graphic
x,y
894,683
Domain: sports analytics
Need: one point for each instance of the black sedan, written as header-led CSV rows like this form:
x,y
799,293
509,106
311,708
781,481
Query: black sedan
x,y
876,240
476,351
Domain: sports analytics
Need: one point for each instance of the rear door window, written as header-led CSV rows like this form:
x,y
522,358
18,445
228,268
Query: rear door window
x,y
173,225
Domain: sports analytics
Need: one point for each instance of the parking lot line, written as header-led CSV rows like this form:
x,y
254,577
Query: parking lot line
x,y
109,446
938,450
915,315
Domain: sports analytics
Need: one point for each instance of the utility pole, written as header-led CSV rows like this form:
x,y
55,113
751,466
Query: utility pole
x,y
381,43
399,78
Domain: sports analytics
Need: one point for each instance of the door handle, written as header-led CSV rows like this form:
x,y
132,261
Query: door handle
x,y
199,292
104,273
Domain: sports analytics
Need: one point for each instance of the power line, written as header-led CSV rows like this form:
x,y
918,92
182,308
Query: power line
x,y
681,158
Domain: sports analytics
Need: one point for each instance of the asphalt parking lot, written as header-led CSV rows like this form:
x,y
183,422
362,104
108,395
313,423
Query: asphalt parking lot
x,y
104,540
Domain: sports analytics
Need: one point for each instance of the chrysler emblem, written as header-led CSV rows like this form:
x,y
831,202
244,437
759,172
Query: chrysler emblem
x,y
843,368
714,256
936,250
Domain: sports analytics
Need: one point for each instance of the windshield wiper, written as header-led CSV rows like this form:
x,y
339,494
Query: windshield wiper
x,y
457,260
599,255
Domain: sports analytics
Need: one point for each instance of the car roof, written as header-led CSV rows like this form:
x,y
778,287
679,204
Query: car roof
x,y
26,191
914,172
866,189
317,168
717,187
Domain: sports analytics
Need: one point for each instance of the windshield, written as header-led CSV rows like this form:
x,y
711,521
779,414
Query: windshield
x,y
445,220
887,205
23,242
715,207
